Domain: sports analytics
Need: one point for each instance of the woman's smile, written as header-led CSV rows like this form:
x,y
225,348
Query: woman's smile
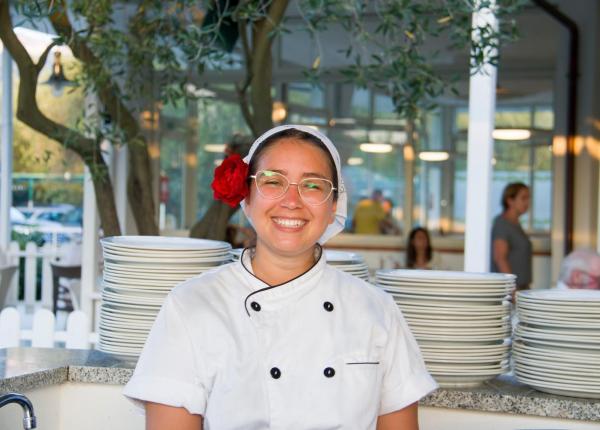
x,y
286,224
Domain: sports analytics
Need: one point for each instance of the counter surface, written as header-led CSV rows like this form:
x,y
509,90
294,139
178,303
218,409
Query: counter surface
x,y
24,369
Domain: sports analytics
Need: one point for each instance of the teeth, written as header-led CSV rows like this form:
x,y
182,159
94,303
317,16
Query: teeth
x,y
289,222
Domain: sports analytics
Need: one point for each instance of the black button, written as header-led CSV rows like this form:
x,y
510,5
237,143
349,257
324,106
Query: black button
x,y
255,306
328,306
329,372
275,373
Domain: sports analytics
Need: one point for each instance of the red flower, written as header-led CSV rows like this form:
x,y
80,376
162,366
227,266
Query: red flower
x,y
230,183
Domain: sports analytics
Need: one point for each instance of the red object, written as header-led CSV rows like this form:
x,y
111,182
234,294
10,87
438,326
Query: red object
x,y
164,189
230,183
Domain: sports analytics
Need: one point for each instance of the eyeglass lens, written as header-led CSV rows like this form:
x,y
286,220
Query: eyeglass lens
x,y
273,185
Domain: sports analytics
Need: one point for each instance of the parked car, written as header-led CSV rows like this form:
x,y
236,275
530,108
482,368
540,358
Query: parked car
x,y
57,224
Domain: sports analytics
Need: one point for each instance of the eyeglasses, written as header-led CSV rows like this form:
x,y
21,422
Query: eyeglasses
x,y
273,185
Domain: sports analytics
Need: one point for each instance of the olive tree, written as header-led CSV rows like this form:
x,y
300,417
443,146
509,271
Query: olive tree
x,y
135,56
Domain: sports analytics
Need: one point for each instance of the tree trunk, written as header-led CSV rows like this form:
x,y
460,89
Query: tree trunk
x,y
105,199
139,190
214,223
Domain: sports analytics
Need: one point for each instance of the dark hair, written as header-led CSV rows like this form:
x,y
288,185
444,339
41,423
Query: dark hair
x,y
292,133
511,191
411,252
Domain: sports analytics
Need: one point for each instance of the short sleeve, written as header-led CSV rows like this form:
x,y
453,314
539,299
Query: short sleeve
x,y
405,379
499,230
168,371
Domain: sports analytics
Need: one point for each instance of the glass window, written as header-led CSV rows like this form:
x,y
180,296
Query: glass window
x,y
543,118
361,103
513,117
305,94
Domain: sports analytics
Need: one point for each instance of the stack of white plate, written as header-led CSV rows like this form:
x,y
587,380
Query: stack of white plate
x,y
349,262
139,271
557,341
460,320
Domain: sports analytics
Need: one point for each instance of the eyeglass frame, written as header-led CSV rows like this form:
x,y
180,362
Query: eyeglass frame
x,y
293,183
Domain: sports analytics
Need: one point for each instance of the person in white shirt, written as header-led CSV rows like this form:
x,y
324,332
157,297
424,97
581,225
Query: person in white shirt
x,y
279,339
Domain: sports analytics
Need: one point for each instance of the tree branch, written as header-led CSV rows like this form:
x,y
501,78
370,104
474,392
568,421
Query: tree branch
x,y
44,57
243,89
109,94
27,107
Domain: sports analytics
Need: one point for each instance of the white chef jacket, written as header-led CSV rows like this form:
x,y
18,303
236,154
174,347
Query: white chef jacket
x,y
325,350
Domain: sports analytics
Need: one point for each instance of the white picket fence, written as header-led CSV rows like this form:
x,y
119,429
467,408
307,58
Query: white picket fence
x,y
43,333
47,253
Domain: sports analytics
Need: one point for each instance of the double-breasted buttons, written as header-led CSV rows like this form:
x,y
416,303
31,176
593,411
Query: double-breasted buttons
x,y
329,372
275,373
255,306
328,306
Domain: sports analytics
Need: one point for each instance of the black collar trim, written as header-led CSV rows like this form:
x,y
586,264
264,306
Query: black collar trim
x,y
273,286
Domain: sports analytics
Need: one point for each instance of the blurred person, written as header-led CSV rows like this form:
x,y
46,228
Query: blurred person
x,y
580,269
419,252
511,248
369,216
389,225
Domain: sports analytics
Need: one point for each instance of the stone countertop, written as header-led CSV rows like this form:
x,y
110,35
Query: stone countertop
x,y
24,369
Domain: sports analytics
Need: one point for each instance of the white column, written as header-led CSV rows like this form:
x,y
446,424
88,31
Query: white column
x,y
89,246
6,155
482,101
120,172
91,225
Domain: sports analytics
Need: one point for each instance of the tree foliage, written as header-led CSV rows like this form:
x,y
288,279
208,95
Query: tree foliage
x,y
136,56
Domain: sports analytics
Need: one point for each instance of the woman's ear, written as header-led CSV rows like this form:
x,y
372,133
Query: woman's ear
x,y
333,212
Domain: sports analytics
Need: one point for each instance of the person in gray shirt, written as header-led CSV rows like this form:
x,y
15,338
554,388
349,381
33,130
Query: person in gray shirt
x,y
511,248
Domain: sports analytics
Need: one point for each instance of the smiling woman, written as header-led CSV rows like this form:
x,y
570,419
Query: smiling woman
x,y
280,339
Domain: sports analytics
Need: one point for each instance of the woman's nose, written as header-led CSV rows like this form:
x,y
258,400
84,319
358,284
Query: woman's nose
x,y
291,198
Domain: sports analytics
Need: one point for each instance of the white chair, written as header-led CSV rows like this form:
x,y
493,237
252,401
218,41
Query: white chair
x,y
10,328
6,275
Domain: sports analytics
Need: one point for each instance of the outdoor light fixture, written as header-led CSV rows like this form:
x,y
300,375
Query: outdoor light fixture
x,y
214,147
57,79
355,161
511,134
433,156
279,112
377,148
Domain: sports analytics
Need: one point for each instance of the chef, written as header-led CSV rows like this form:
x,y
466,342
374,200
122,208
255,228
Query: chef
x,y
279,339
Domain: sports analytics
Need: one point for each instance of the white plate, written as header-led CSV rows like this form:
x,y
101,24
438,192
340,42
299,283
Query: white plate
x,y
466,381
561,367
589,342
461,331
546,317
550,353
465,348
135,292
570,311
485,359
453,304
444,275
569,333
342,257
131,299
557,377
163,243
566,346
457,323
558,388
485,312
442,298
439,305
557,323
445,286
573,297
445,292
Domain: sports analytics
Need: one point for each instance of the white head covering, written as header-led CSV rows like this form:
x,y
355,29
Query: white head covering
x,y
342,201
